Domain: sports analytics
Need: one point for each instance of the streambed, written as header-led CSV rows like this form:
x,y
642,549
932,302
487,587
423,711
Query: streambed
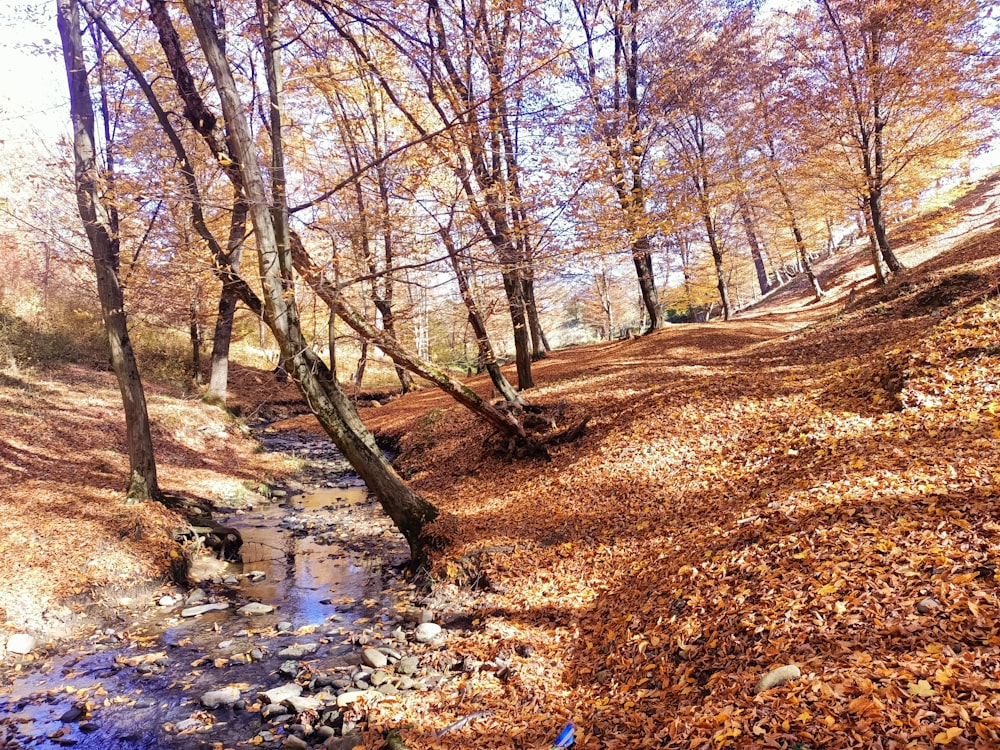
x,y
338,626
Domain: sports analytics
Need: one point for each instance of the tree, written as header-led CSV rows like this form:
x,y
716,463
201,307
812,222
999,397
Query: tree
x,y
100,224
268,213
613,87
896,87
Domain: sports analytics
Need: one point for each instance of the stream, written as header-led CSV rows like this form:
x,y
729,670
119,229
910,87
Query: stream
x,y
331,624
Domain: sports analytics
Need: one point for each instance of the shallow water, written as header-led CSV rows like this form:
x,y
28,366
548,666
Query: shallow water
x,y
326,557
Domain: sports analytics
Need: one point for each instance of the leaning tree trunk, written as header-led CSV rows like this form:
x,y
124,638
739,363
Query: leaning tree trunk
x,y
104,247
332,408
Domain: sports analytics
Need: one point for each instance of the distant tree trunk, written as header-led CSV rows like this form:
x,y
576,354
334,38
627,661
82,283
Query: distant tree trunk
x,y
359,371
486,356
878,226
800,245
720,271
194,326
754,242
872,243
104,246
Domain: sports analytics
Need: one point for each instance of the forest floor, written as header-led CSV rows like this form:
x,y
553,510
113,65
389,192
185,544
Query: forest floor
x,y
813,484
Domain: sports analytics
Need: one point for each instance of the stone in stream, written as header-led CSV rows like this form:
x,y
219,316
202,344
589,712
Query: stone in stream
x,y
427,632
167,601
302,703
256,576
374,658
407,665
298,651
21,643
227,696
351,696
284,626
289,668
777,677
295,743
283,693
255,608
197,595
200,609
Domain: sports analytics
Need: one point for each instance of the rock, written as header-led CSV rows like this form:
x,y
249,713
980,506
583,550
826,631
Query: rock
x,y
388,689
374,658
256,654
224,645
407,665
256,576
427,632
201,609
927,605
405,683
74,714
426,615
295,743
281,694
399,634
227,696
284,626
21,643
197,595
301,703
166,601
777,677
289,668
255,608
298,651
144,703
379,677
183,726
230,580
351,696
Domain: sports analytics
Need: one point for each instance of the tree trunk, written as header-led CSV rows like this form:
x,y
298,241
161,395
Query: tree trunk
x,y
720,271
878,225
194,326
332,408
872,244
755,249
486,356
218,381
142,483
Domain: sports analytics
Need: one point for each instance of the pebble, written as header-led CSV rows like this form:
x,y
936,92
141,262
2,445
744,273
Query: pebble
x,y
777,677
296,743
427,632
928,604
282,693
167,601
298,651
346,699
284,626
289,668
200,609
407,665
374,658
225,644
227,696
256,576
302,703
257,654
197,595
255,608
21,643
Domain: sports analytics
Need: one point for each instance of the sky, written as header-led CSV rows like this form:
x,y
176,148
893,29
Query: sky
x,y
34,102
